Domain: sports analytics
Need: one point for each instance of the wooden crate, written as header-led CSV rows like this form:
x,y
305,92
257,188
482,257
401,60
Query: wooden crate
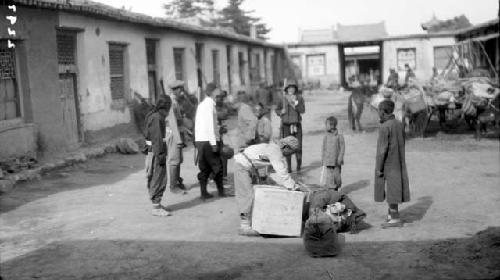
x,y
277,211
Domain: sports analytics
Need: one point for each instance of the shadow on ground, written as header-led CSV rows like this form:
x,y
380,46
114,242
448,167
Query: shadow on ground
x,y
477,257
416,211
361,184
94,172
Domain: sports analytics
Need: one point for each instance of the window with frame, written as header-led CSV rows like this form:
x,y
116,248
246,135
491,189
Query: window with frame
x,y
216,66
151,52
117,70
66,48
257,67
407,56
296,60
179,63
9,91
442,56
316,65
241,66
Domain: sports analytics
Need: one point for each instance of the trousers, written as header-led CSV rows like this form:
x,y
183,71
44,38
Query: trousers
x,y
157,180
296,131
243,189
209,162
333,177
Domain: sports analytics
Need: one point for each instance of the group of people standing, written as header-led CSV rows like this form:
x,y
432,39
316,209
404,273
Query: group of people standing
x,y
169,124
257,149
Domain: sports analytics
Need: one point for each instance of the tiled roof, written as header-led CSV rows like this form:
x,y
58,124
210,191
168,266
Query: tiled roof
x,y
91,8
317,35
361,32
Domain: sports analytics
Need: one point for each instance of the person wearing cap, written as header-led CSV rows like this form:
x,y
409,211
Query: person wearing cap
x,y
245,164
409,74
207,141
290,110
391,176
155,138
393,80
175,141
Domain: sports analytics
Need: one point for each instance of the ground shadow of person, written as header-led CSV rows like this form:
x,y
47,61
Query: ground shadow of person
x,y
361,184
191,203
417,211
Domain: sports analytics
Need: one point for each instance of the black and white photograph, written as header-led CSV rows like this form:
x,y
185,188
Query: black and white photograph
x,y
250,139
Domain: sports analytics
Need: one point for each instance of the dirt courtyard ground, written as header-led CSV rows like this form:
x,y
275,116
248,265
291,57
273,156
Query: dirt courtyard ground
x,y
93,221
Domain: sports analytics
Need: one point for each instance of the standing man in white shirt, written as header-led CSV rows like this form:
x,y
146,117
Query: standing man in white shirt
x,y
207,140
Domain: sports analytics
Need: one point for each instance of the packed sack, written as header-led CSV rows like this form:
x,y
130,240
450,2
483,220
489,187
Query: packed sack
x,y
320,235
443,98
376,99
414,101
347,219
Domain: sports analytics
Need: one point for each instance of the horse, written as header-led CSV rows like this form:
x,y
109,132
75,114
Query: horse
x,y
355,108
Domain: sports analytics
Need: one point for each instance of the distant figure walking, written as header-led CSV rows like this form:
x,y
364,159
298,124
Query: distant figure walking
x,y
355,104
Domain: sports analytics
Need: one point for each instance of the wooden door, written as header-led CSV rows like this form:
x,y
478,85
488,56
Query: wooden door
x,y
67,83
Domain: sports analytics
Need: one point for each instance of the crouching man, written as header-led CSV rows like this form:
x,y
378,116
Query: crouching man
x,y
245,168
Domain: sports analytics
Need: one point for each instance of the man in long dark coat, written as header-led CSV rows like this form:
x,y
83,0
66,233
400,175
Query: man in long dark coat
x,y
391,177
156,167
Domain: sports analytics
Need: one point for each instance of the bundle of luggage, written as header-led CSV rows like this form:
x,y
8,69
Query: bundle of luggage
x,y
330,212
479,92
412,99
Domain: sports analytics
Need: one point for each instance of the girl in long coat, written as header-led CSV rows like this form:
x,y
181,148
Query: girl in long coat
x,y
391,177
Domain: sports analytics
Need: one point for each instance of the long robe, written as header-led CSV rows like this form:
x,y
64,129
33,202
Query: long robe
x,y
393,186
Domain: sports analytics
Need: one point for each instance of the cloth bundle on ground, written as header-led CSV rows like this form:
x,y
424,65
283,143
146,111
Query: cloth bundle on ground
x,y
320,235
351,214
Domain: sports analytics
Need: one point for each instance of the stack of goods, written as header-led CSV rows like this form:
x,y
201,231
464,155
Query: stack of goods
x,y
479,92
414,100
330,212
443,92
382,94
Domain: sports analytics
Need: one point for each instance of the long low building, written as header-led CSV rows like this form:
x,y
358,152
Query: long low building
x,y
332,56
76,66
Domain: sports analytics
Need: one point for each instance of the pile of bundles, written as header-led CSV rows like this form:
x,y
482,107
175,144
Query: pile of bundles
x,y
479,92
443,92
411,99
330,212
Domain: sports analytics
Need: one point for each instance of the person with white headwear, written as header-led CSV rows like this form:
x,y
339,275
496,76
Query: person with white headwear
x,y
245,168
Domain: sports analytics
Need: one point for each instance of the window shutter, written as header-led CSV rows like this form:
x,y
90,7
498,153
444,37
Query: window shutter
x,y
116,70
66,45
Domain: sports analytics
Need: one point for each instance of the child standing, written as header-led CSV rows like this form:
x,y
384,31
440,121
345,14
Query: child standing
x,y
332,154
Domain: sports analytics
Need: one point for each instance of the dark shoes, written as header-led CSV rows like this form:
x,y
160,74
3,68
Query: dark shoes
x,y
206,196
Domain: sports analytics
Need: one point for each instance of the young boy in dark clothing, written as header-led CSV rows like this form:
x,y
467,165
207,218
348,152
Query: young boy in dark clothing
x,y
332,154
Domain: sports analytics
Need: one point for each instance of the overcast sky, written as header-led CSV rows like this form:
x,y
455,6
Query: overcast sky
x,y
286,17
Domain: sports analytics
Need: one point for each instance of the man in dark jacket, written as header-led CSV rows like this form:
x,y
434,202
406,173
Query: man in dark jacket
x,y
393,80
391,177
290,110
155,137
